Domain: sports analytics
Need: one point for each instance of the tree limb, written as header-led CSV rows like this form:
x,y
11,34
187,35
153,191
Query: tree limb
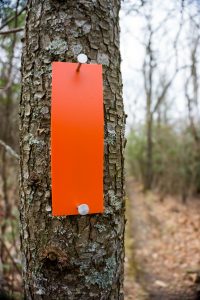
x,y
10,256
12,18
165,89
14,30
9,150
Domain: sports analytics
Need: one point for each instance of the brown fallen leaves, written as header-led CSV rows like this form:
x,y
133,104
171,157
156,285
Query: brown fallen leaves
x,y
166,244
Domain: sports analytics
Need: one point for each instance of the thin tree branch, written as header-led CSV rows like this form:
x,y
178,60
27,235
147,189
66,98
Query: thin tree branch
x,y
9,75
166,87
12,18
4,89
9,150
10,256
14,30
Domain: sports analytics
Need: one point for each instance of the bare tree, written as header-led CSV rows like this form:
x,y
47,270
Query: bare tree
x,y
157,80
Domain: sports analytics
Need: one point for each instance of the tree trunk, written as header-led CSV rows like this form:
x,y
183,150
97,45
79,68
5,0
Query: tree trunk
x,y
149,144
149,171
72,257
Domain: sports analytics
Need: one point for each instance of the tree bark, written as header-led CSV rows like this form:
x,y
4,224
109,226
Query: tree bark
x,y
72,257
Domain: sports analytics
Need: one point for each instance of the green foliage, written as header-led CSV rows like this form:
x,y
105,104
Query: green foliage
x,y
136,153
176,159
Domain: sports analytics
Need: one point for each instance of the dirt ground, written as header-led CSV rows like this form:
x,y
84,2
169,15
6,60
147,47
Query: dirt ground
x,y
162,247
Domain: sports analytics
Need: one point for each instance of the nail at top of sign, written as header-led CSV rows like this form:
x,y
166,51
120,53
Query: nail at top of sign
x,y
82,59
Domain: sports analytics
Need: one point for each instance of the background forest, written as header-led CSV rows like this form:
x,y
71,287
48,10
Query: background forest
x,y
12,15
160,46
162,94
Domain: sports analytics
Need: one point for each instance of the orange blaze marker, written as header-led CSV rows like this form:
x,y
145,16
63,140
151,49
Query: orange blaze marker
x,y
77,139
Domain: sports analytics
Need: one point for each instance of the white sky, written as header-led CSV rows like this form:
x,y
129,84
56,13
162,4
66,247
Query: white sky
x,y
133,33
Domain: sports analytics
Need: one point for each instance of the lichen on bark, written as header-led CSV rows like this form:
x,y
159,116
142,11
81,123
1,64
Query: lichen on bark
x,y
75,257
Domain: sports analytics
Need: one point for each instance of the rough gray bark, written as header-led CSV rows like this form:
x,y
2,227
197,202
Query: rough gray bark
x,y
76,257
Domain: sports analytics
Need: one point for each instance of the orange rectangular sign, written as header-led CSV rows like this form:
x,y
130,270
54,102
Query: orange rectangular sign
x,y
77,138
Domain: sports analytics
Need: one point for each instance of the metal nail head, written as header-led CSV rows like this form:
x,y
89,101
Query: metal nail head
x,y
83,209
82,59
